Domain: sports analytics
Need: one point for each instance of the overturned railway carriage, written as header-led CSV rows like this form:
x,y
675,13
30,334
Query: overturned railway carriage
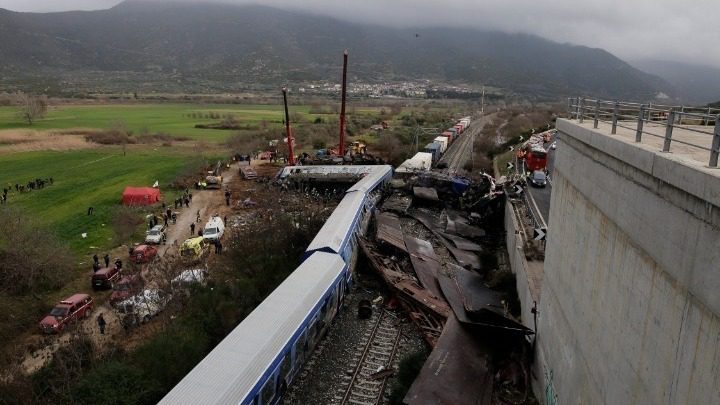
x,y
257,361
351,217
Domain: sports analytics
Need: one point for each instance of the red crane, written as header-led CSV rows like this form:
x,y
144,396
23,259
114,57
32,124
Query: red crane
x,y
290,140
341,149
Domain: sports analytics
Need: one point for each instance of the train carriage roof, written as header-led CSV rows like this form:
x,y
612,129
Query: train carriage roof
x,y
234,367
336,230
371,181
333,169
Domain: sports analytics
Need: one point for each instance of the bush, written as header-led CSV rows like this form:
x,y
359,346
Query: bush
x,y
52,383
160,137
32,258
110,137
409,368
390,146
116,382
125,222
319,143
181,346
249,142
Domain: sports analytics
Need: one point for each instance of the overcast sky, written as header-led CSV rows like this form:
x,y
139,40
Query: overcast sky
x,y
631,29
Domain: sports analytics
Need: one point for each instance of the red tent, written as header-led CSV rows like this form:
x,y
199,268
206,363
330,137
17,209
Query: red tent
x,y
140,196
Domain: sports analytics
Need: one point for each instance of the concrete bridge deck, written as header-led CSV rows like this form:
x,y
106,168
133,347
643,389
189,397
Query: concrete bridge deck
x,y
654,137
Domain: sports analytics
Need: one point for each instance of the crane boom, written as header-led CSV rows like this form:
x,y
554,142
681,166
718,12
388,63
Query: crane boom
x,y
290,140
341,149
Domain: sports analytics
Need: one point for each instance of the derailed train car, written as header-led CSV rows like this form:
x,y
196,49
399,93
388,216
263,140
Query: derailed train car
x,y
259,359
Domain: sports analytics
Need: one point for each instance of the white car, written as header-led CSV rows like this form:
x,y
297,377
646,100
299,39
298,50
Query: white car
x,y
553,145
140,308
189,277
156,235
214,229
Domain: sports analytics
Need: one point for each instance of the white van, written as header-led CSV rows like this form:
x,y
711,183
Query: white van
x,y
214,229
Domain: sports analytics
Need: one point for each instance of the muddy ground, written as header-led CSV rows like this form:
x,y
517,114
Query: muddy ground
x,y
207,203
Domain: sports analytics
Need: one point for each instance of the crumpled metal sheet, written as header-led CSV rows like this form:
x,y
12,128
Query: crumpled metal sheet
x,y
462,243
425,262
389,230
487,304
458,371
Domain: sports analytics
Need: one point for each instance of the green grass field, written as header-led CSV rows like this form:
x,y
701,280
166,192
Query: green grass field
x,y
82,179
174,119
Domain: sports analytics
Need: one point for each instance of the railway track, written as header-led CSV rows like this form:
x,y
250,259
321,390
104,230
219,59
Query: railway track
x,y
461,150
367,383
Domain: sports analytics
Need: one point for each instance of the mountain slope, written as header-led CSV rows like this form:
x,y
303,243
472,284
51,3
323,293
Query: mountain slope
x,y
693,83
256,44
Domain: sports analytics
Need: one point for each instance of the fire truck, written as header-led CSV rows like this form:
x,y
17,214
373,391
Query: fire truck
x,y
536,159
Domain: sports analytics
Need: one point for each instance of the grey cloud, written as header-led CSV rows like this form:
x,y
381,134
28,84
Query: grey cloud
x,y
631,29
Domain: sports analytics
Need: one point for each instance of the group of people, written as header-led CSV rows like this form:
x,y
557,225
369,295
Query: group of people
x,y
96,262
36,184
167,215
185,199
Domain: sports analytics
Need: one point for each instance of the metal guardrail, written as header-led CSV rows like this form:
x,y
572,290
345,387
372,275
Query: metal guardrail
x,y
633,116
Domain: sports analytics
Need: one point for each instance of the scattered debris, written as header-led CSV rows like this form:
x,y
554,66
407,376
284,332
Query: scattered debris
x,y
398,203
389,230
426,193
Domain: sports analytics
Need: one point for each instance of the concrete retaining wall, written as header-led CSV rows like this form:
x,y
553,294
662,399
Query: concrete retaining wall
x,y
520,267
630,295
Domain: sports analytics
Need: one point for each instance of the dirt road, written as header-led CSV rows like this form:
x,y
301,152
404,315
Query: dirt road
x,y
207,202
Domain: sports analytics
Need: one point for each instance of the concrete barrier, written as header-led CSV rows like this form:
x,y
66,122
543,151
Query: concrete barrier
x,y
526,282
631,287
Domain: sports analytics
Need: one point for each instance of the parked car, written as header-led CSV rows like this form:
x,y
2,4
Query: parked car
x,y
142,307
187,278
126,287
194,247
105,277
143,254
67,311
539,179
214,229
553,145
156,235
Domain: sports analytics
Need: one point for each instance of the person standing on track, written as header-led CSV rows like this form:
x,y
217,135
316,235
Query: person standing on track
x,y
192,228
107,260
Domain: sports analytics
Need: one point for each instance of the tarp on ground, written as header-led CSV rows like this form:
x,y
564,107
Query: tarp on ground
x,y
140,196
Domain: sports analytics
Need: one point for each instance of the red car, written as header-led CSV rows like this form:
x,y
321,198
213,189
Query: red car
x,y
105,277
143,254
126,288
65,312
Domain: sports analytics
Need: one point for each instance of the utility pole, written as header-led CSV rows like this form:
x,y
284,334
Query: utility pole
x,y
424,131
341,148
482,102
290,139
